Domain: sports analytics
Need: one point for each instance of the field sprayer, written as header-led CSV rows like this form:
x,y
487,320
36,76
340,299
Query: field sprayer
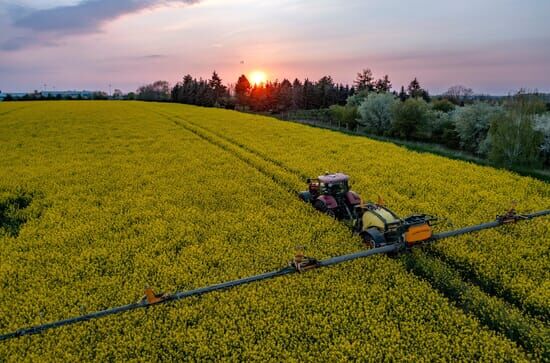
x,y
382,231
379,226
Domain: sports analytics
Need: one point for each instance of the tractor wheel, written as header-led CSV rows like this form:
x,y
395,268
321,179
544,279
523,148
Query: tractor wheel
x,y
322,207
305,196
368,240
374,237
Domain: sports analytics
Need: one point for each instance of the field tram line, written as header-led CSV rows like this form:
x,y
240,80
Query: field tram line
x,y
279,175
489,287
278,163
529,333
468,273
511,322
12,110
495,313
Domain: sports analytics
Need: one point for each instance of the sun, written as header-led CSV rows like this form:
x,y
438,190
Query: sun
x,y
258,77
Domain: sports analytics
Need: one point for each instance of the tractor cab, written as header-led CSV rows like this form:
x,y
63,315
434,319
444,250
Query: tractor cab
x,y
329,184
334,184
330,194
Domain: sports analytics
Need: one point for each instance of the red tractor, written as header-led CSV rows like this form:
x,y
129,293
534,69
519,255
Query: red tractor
x,y
330,194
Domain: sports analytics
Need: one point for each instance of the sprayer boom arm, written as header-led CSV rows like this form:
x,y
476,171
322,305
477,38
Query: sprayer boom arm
x,y
510,217
154,299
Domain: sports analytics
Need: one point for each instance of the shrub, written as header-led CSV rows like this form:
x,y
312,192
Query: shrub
x,y
525,103
443,105
357,98
157,91
542,124
345,115
410,117
376,113
321,115
472,124
443,130
514,140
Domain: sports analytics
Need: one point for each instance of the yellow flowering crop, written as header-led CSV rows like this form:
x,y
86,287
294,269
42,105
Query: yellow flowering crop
x,y
131,194
510,261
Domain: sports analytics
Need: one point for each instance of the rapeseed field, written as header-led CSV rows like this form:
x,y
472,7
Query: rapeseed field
x,y
104,198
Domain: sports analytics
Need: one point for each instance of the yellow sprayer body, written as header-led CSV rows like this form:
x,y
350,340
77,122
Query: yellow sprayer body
x,y
379,217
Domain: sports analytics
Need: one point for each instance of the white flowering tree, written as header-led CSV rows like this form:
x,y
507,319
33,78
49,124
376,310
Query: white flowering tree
x,y
376,112
473,123
542,124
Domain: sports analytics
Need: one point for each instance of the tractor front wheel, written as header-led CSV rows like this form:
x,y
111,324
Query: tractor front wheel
x,y
305,196
368,240
322,207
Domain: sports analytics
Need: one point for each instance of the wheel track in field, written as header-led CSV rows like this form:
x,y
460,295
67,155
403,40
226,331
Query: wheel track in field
x,y
470,280
252,161
468,273
491,310
12,110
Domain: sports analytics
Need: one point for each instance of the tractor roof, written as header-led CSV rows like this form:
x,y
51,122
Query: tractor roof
x,y
333,178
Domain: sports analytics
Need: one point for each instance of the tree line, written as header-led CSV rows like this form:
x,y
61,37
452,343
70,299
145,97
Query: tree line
x,y
275,96
512,130
58,96
271,96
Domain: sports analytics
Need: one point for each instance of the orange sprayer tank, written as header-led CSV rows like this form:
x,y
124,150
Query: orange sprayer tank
x,y
418,233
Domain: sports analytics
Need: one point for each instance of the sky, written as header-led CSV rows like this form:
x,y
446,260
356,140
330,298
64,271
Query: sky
x,y
491,46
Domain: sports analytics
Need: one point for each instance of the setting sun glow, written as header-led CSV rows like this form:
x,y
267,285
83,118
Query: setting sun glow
x,y
258,77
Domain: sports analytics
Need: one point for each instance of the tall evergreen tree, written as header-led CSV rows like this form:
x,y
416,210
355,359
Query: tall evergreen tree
x,y
415,91
285,96
402,94
242,90
383,85
326,92
297,94
308,95
364,81
218,89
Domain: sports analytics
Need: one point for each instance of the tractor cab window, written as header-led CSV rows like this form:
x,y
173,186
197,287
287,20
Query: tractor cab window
x,y
335,188
340,188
